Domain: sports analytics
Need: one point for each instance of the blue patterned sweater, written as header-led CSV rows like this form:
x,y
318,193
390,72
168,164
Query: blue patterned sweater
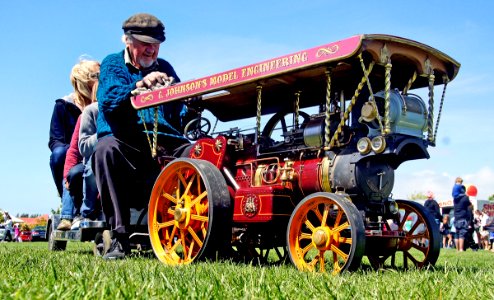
x,y
117,116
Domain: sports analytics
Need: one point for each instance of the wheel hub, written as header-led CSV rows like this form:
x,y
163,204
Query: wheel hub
x,y
182,217
180,214
322,237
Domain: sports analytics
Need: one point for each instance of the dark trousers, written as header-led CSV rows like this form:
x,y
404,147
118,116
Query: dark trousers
x,y
74,178
57,161
125,175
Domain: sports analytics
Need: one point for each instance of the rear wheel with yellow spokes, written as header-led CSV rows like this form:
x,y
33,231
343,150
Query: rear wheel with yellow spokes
x,y
326,234
189,212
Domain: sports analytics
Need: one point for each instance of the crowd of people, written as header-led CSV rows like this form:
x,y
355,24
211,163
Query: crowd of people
x,y
96,135
12,231
466,228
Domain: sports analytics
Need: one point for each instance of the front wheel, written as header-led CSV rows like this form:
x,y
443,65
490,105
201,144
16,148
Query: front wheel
x,y
326,233
53,244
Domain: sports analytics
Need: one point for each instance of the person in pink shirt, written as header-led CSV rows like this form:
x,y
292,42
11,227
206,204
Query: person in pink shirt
x,y
17,232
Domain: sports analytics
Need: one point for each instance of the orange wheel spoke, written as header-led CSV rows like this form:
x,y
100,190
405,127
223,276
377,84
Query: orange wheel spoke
x,y
195,237
321,262
309,225
313,262
305,236
201,209
410,257
403,220
199,218
414,227
307,248
170,197
177,243
165,224
189,255
181,179
325,214
188,185
338,217
339,252
184,245
318,214
340,227
416,236
172,234
336,267
199,198
419,248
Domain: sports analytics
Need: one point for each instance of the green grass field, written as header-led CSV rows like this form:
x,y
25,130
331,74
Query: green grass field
x,y
30,271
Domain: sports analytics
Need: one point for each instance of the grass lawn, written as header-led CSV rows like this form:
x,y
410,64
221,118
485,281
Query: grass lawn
x,y
30,271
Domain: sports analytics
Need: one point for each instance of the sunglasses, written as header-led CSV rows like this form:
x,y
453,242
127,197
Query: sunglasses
x,y
94,76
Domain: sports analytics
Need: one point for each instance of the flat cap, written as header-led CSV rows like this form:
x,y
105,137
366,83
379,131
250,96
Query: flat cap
x,y
145,28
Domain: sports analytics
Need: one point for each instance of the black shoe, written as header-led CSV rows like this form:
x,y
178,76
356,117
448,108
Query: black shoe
x,y
116,250
114,247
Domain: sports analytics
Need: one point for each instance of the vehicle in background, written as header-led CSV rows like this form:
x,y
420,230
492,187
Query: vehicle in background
x,y
38,233
25,235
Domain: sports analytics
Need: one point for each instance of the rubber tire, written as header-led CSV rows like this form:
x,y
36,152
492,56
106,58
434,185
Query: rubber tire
x,y
54,245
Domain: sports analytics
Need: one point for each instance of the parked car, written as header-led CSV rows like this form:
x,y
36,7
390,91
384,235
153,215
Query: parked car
x,y
26,235
38,233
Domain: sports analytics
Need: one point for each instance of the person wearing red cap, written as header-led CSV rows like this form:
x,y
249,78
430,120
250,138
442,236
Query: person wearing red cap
x,y
123,161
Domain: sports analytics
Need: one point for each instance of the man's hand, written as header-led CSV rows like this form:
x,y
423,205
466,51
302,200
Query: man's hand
x,y
153,79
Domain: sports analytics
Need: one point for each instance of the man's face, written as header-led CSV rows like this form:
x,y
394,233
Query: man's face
x,y
143,54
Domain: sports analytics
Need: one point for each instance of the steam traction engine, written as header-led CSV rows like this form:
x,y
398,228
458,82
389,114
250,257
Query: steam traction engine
x,y
313,183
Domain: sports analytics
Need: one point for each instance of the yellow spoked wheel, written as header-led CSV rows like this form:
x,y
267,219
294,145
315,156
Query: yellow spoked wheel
x,y
326,234
189,212
420,245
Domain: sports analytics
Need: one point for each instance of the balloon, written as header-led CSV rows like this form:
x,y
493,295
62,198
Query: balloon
x,y
471,190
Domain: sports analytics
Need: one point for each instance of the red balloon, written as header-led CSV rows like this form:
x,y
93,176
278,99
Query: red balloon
x,y
471,190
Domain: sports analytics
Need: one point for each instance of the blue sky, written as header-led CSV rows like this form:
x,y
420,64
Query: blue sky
x,y
42,40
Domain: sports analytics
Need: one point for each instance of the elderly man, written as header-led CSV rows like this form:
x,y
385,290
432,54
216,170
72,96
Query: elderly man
x,y
123,164
433,207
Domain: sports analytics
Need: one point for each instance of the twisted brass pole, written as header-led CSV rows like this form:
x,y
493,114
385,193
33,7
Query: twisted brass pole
x,y
327,120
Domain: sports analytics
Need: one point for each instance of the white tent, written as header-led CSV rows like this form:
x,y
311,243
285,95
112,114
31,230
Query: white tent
x,y
17,220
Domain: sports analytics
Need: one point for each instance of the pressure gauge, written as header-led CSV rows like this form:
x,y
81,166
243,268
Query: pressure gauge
x,y
378,144
364,145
